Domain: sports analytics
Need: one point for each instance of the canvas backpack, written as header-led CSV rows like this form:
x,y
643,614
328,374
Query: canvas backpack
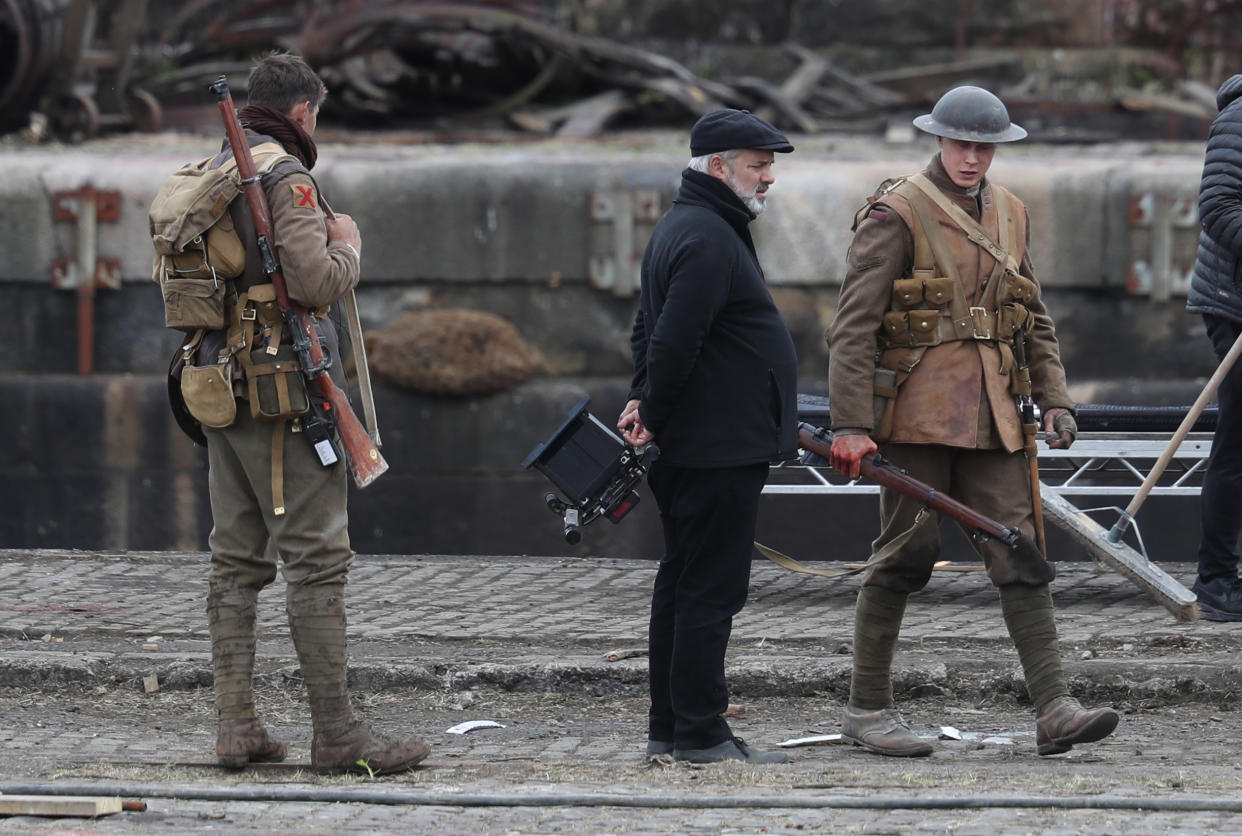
x,y
197,249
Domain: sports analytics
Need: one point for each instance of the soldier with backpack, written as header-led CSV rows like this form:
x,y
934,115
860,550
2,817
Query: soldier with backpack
x,y
274,497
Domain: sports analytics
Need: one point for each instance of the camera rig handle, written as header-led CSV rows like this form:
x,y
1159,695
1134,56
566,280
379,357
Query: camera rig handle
x,y
596,471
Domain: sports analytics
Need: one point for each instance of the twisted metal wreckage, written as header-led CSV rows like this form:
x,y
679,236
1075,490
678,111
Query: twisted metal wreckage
x,y
95,65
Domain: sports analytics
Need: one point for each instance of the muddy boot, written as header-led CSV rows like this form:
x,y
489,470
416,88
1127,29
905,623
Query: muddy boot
x,y
733,749
358,749
884,732
1064,722
870,720
341,741
240,737
239,742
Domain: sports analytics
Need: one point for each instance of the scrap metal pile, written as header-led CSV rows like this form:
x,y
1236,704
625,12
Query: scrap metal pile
x,y
415,62
477,64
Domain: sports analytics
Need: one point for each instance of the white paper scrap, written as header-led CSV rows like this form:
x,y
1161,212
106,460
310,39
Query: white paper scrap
x,y
807,741
949,733
471,725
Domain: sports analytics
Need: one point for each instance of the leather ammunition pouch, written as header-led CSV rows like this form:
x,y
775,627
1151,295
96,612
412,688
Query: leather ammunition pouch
x,y
929,308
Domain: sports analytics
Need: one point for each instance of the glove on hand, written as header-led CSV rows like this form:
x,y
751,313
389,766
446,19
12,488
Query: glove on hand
x,y
1064,430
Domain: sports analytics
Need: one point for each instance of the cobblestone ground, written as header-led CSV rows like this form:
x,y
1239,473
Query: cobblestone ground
x,y
526,642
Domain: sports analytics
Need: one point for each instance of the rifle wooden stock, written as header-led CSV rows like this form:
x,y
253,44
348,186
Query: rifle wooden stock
x,y
366,463
879,470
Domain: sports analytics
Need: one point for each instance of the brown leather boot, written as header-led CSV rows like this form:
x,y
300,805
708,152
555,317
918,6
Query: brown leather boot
x,y
1065,722
317,622
360,750
240,737
884,732
239,742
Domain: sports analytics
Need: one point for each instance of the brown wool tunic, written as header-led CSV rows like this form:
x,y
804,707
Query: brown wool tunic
x,y
956,424
956,396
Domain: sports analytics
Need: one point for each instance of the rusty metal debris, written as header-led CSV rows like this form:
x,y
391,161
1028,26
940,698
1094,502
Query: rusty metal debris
x,y
74,61
90,66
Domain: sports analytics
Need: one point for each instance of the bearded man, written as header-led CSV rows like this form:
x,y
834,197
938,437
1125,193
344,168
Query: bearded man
x,y
715,386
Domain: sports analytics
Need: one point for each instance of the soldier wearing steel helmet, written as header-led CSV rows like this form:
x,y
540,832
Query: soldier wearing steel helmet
x,y
938,296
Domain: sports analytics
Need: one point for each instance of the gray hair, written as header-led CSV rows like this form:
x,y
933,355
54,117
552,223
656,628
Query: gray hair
x,y
702,162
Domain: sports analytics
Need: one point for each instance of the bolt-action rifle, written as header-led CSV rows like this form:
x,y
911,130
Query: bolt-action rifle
x,y
364,459
883,472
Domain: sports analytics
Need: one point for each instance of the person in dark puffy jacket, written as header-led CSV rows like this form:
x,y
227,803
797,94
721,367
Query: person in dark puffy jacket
x,y
1216,293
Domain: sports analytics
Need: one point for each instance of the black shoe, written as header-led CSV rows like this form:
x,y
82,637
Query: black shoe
x,y
1220,599
734,749
659,747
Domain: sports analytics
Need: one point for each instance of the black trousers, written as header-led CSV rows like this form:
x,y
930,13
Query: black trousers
x,y
709,531
1220,499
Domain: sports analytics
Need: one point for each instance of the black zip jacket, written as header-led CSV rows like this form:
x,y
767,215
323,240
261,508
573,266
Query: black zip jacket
x,y
714,364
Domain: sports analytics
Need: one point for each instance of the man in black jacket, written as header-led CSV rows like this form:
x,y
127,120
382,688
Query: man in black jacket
x,y
715,379
1215,293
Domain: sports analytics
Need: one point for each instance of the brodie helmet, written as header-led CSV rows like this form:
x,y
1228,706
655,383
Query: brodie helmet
x,y
970,114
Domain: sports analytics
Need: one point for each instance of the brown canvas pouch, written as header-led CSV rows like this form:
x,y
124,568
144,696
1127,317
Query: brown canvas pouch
x,y
907,293
208,394
190,304
276,387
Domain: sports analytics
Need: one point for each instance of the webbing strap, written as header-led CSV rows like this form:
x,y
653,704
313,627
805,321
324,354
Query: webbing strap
x,y
974,232
187,350
278,468
958,312
887,552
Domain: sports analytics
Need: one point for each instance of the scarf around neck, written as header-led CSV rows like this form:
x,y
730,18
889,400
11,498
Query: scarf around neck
x,y
271,122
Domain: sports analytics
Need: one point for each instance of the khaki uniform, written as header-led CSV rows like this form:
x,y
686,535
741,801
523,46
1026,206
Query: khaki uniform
x,y
311,537
955,422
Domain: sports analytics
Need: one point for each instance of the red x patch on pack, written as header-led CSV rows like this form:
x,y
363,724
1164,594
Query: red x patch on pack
x,y
303,196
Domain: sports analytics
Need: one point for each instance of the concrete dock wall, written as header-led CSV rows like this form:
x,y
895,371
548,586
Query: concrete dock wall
x,y
547,235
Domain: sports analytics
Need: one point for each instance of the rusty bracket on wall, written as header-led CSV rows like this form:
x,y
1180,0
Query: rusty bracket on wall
x,y
622,222
87,207
1170,226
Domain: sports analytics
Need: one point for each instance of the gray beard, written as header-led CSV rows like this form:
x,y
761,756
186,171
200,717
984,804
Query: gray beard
x,y
753,203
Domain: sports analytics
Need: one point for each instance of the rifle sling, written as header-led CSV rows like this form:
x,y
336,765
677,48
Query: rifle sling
x,y
891,548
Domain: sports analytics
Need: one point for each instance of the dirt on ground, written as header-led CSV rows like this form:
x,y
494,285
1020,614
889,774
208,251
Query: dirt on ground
x,y
596,742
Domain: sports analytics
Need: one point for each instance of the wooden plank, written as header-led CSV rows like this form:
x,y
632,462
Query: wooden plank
x,y
1149,577
779,108
75,806
589,117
